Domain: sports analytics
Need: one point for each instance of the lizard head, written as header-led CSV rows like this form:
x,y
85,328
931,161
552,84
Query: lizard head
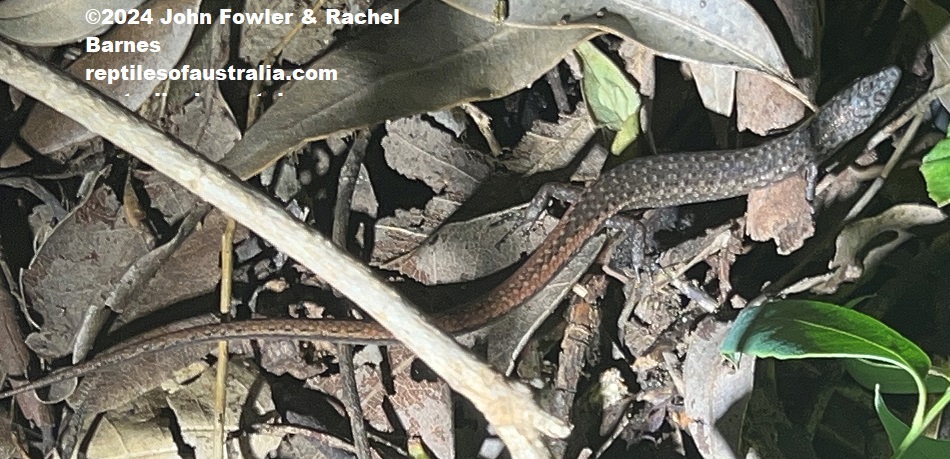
x,y
851,111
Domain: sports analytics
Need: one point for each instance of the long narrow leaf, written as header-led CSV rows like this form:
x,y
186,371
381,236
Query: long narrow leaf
x,y
799,329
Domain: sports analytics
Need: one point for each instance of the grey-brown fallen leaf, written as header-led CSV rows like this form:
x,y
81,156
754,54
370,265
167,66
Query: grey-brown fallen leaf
x,y
55,135
464,58
139,431
77,265
422,404
258,39
640,62
100,226
549,146
467,250
716,85
716,393
248,397
940,47
418,150
730,34
853,258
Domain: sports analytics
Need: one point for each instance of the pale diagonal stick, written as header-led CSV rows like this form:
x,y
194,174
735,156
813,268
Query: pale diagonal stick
x,y
507,405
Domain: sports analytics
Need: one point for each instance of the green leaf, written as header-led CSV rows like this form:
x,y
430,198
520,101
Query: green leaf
x,y
891,379
936,171
798,329
614,102
921,448
626,135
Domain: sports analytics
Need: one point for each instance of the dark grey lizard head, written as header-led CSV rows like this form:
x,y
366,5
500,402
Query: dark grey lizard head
x,y
851,111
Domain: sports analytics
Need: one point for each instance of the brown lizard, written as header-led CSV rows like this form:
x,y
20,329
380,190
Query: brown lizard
x,y
647,182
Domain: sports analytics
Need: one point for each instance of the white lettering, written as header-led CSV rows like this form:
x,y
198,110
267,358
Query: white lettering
x,y
370,17
189,16
267,17
95,45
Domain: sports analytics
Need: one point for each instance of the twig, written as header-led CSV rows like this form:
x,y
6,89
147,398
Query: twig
x,y
891,164
221,369
508,405
341,218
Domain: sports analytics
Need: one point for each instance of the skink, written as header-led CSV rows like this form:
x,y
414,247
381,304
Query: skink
x,y
648,182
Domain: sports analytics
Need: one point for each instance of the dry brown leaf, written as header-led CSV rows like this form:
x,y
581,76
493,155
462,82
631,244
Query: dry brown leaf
x,y
8,446
853,256
550,146
15,361
764,107
781,212
134,433
248,397
940,47
640,63
422,404
419,151
257,40
78,265
404,231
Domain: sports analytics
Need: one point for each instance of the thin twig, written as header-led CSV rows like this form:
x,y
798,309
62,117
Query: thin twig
x,y
886,171
224,307
341,218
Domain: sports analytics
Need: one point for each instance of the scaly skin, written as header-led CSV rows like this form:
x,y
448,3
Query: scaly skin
x,y
648,182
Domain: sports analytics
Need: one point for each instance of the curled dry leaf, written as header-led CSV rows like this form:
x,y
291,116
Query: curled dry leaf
x,y
852,256
53,134
639,62
54,22
140,431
